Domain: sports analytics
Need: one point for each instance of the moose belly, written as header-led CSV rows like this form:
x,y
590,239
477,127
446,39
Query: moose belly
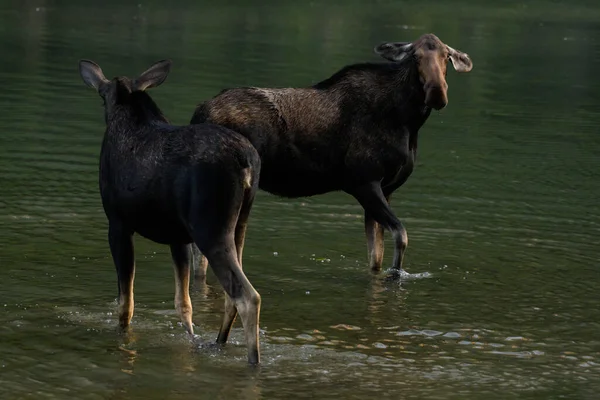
x,y
293,181
164,232
154,223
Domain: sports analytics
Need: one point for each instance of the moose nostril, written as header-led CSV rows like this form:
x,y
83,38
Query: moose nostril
x,y
435,86
437,104
436,98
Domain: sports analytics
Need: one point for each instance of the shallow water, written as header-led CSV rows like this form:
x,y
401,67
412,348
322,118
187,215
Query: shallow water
x,y
501,211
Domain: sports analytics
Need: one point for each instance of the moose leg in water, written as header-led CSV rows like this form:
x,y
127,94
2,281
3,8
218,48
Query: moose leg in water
x,y
374,202
121,247
238,288
375,242
181,258
200,264
240,235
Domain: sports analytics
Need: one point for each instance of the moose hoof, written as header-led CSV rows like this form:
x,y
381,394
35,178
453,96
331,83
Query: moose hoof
x,y
393,275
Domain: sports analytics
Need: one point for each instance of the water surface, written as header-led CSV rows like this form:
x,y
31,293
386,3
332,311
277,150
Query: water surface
x,y
502,210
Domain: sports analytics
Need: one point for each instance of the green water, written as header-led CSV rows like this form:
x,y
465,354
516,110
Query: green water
x,y
502,210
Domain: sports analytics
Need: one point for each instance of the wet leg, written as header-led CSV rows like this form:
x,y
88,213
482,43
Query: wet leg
x,y
240,235
223,260
372,199
374,232
375,243
199,267
200,263
120,240
181,258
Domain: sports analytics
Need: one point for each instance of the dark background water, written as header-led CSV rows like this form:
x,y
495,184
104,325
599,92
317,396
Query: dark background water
x,y
502,209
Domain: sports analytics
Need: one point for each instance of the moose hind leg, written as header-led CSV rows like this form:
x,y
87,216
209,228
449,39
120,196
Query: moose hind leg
x,y
240,235
229,316
121,247
199,262
183,304
224,263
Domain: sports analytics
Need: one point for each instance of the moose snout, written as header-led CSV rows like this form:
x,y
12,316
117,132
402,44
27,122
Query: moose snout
x,y
436,95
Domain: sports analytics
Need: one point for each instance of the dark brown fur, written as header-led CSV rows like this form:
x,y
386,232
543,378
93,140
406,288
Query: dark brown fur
x,y
355,131
175,185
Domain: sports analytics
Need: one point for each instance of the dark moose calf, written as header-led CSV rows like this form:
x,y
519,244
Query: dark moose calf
x,y
175,185
355,131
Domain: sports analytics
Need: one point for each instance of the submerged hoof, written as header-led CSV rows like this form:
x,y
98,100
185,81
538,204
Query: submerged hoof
x,y
393,275
123,329
205,345
375,270
254,364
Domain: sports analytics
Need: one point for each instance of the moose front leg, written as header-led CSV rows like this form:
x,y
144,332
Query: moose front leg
x,y
120,240
376,206
375,243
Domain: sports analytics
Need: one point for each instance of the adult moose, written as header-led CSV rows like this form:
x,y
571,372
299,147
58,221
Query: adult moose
x,y
355,131
175,185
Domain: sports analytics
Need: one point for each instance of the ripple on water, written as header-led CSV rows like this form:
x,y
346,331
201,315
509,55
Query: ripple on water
x,y
403,275
344,353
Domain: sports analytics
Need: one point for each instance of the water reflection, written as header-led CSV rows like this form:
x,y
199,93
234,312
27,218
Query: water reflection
x,y
127,347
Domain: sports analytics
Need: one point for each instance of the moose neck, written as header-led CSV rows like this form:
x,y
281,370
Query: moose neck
x,y
135,110
407,93
392,92
398,95
406,97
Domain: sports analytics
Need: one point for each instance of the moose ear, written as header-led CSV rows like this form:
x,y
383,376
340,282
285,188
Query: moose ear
x,y
394,51
460,60
91,73
153,76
